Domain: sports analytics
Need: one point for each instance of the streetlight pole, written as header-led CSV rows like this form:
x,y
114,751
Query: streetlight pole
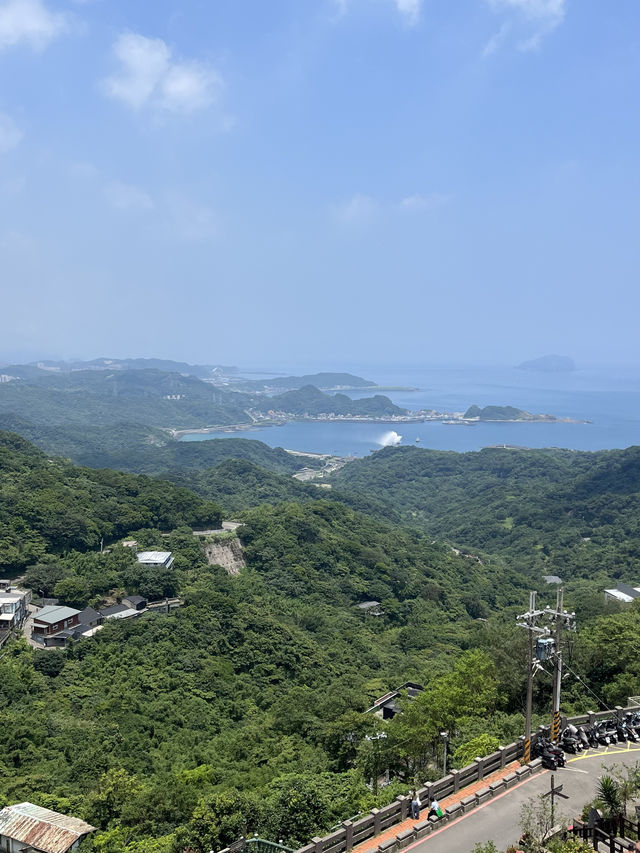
x,y
445,737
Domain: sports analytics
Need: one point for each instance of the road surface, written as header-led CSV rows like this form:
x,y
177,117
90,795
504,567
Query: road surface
x,y
498,819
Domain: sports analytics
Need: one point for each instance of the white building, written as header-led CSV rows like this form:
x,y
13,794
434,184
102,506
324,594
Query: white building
x,y
13,607
155,559
623,593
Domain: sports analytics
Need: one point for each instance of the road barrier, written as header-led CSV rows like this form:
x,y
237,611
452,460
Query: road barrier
x,y
354,832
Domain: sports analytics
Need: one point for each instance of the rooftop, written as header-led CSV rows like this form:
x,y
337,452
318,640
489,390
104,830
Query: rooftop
x,y
153,556
53,613
41,828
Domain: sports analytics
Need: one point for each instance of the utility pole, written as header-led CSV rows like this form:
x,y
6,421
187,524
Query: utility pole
x,y
544,650
566,620
527,620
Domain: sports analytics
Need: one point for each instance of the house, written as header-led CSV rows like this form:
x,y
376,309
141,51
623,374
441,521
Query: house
x,y
52,619
25,828
623,593
387,706
155,559
135,602
89,618
118,611
13,607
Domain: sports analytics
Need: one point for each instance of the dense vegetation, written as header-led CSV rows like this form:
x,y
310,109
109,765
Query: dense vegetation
x,y
309,400
49,507
547,512
244,710
324,381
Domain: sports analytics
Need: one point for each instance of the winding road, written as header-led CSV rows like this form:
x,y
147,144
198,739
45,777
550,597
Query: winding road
x,y
497,819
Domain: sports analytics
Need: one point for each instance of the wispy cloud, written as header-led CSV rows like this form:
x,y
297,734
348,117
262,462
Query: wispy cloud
x,y
357,210
422,203
128,197
150,76
409,10
363,209
532,20
10,133
30,22
173,214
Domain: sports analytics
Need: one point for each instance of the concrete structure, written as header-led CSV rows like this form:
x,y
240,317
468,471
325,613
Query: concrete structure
x,y
54,618
623,593
155,559
13,607
25,828
135,602
119,611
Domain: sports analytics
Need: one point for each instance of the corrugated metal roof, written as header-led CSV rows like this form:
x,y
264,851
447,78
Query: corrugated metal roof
x,y
153,556
41,828
54,613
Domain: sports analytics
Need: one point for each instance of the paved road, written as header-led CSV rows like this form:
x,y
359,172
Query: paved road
x,y
497,819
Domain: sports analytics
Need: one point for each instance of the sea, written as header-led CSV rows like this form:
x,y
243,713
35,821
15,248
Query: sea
x,y
607,397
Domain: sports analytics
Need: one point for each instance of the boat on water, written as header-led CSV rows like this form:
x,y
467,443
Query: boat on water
x,y
418,438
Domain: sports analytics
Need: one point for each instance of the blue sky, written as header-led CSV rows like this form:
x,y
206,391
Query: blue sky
x,y
320,181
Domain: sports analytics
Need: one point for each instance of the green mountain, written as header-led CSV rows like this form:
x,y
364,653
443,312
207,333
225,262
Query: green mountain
x,y
554,512
309,400
324,381
498,413
49,507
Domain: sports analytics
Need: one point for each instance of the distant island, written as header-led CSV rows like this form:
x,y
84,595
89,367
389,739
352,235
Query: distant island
x,y
549,364
511,414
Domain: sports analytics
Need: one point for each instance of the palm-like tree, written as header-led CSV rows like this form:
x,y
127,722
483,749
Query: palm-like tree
x,y
610,798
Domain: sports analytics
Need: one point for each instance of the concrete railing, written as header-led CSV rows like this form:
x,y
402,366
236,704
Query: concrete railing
x,y
354,832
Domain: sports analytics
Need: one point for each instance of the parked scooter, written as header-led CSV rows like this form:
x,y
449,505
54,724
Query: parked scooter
x,y
584,740
549,753
570,741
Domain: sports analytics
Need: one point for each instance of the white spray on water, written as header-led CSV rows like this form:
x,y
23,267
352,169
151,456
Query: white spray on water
x,y
390,439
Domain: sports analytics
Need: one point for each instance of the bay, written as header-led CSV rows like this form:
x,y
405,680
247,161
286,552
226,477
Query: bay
x,y
608,397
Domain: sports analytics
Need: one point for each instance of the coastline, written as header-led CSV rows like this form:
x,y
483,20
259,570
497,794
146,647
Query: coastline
x,y
449,419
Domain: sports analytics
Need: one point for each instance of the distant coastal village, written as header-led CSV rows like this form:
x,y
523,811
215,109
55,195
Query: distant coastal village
x,y
177,399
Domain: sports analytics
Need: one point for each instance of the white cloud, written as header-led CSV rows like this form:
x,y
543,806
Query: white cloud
x,y
496,40
357,210
10,133
149,75
422,203
29,22
537,18
409,10
363,209
127,197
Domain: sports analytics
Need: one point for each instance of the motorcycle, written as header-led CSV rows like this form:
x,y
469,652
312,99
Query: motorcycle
x,y
549,753
569,740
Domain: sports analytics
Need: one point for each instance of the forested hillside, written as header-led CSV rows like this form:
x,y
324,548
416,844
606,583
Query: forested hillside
x,y
546,511
245,709
48,506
